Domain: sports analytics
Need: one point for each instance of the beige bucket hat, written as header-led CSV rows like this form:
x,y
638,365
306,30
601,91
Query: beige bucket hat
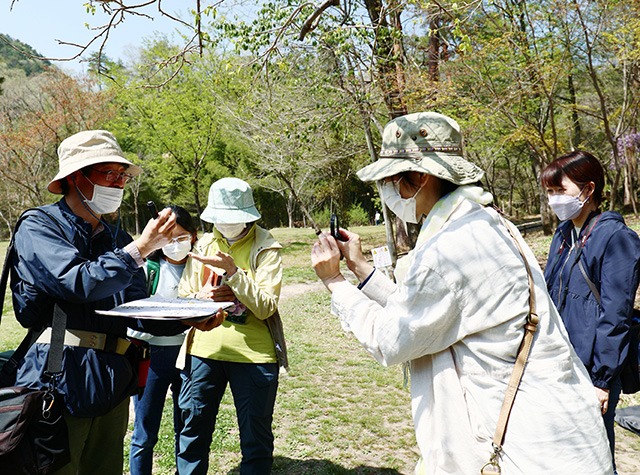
x,y
230,202
89,147
425,142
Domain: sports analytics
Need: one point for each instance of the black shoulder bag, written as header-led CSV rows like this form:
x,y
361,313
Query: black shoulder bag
x,y
33,432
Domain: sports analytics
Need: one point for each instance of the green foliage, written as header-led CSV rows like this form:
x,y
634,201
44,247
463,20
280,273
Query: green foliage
x,y
18,55
322,217
357,216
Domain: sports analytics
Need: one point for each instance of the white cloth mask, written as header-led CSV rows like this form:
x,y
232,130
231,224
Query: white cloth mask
x,y
106,199
177,250
230,231
566,206
404,208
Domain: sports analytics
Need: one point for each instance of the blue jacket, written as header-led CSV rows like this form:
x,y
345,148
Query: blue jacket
x,y
82,274
610,254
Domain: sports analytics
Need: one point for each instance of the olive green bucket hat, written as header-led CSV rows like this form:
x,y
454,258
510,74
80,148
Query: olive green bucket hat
x,y
230,202
425,142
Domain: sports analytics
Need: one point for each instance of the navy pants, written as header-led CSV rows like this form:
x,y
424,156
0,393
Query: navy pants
x,y
162,376
253,387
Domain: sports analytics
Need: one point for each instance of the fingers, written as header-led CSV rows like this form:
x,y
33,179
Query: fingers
x,y
211,322
328,243
349,235
166,220
220,259
223,293
199,258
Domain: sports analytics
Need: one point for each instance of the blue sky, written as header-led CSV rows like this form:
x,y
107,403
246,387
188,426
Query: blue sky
x,y
40,23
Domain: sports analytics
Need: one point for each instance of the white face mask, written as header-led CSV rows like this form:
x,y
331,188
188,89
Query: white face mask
x,y
404,208
566,206
177,250
230,231
106,199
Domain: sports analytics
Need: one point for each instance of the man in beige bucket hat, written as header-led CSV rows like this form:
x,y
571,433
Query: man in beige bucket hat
x,y
456,313
66,254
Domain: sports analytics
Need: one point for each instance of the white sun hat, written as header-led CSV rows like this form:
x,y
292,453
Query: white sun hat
x,y
86,148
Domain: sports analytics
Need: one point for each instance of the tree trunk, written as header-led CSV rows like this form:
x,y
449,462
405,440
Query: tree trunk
x,y
297,199
575,119
547,227
290,209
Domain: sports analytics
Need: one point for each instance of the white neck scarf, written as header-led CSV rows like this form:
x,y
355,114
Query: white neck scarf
x,y
436,218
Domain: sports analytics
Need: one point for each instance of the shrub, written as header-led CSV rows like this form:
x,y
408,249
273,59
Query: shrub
x,y
322,218
357,216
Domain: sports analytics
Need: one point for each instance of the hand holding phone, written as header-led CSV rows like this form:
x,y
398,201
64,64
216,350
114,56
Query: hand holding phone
x,y
335,229
152,209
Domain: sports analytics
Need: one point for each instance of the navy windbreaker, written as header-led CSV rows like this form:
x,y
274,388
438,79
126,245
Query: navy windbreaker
x,y
610,254
82,274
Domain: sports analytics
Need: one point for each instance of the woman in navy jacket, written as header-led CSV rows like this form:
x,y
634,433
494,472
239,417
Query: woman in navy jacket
x,y
598,246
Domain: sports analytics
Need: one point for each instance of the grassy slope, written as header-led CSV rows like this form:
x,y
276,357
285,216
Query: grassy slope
x,y
338,411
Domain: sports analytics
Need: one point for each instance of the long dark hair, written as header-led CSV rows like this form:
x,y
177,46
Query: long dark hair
x,y
578,166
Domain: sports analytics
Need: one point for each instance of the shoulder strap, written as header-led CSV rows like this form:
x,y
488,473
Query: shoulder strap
x,y
58,327
4,278
530,328
592,286
590,283
7,374
153,276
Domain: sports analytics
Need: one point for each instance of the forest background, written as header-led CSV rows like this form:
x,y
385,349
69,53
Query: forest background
x,y
294,100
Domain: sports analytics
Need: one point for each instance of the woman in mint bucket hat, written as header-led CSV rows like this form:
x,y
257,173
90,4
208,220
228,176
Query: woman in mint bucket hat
x,y
456,315
230,201
249,347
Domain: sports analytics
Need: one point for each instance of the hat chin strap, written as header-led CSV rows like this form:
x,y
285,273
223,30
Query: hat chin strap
x,y
99,218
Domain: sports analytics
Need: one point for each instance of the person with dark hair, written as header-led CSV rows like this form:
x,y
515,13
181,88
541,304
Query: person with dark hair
x,y
463,300
592,274
164,270
67,255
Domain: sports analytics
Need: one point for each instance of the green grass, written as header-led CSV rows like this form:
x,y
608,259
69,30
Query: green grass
x,y
337,411
297,244
334,406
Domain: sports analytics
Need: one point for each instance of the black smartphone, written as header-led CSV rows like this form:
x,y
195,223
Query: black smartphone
x,y
335,228
152,209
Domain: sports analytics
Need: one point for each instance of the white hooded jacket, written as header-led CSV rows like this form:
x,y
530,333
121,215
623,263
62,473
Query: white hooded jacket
x,y
457,317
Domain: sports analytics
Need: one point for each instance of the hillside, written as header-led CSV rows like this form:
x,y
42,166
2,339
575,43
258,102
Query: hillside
x,y
10,58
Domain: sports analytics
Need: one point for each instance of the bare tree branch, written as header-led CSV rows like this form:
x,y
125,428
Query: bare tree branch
x,y
307,26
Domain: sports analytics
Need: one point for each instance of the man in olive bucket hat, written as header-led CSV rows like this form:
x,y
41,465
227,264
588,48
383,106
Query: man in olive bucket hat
x,y
456,314
66,254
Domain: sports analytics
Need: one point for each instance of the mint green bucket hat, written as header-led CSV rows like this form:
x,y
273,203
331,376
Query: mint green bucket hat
x,y
230,202
425,142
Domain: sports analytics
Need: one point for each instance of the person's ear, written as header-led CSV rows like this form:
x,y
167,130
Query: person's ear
x,y
74,176
424,178
591,189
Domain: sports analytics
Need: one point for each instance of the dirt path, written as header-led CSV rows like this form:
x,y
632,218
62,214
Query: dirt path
x,y
292,290
627,443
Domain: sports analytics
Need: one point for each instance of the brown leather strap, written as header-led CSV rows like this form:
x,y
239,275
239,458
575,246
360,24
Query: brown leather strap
x,y
521,359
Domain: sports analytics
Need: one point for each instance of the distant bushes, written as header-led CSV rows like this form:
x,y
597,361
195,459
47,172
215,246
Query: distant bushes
x,y
356,216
